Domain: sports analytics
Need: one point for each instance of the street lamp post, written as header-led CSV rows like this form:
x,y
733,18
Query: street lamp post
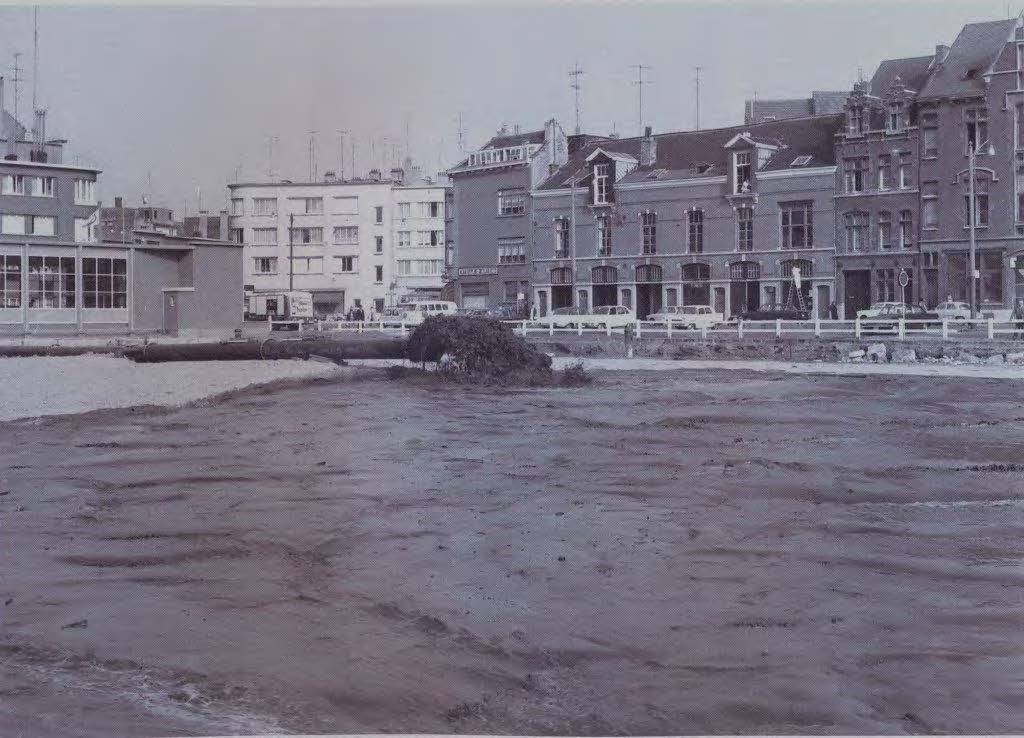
x,y
972,211
572,236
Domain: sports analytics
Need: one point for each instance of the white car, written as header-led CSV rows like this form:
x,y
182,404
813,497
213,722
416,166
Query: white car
x,y
954,311
688,316
414,313
878,309
609,316
565,317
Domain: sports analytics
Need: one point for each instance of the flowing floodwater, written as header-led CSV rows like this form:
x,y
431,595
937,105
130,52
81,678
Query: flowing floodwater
x,y
710,552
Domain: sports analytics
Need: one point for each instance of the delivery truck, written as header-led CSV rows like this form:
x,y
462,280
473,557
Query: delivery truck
x,y
284,310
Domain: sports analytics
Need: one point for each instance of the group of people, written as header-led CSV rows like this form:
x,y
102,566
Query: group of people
x,y
355,313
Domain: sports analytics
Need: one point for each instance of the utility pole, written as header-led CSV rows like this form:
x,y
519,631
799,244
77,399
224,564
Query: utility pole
x,y
572,235
575,85
352,156
640,82
291,251
972,211
696,126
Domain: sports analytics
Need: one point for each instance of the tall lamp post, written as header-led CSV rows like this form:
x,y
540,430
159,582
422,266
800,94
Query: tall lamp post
x,y
972,212
572,236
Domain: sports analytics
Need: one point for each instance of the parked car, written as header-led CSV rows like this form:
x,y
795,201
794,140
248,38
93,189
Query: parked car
x,y
688,316
415,312
954,311
609,316
565,317
888,321
877,309
775,313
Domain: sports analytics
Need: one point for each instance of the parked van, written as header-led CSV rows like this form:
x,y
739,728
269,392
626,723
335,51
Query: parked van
x,y
416,311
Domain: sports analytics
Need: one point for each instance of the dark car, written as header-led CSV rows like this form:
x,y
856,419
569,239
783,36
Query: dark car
x,y
775,314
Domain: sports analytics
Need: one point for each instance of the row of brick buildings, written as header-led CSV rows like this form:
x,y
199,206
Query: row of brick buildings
x,y
870,202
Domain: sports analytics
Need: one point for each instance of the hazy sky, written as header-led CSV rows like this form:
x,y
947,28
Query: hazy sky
x,y
186,96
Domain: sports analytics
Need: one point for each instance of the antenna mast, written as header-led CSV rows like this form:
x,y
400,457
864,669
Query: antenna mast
x,y
341,154
17,79
461,134
35,58
312,156
575,85
696,125
640,82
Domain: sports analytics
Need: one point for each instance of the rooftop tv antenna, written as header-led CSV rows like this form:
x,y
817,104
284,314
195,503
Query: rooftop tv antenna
x,y
341,153
696,115
461,132
576,73
35,58
312,156
271,140
640,82
17,79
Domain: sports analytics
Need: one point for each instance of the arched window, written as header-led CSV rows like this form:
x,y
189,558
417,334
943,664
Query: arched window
x,y
647,273
696,287
561,275
696,272
604,275
744,270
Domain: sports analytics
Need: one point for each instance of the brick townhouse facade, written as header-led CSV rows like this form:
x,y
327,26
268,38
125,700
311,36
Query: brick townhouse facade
x,y
902,183
717,216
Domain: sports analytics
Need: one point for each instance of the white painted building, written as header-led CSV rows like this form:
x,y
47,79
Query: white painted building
x,y
366,242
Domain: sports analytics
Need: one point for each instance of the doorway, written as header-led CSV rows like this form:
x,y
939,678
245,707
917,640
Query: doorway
x,y
170,312
823,300
605,285
720,300
648,290
857,292
561,296
744,287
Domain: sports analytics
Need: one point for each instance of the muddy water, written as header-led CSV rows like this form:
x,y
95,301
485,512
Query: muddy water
x,y
672,553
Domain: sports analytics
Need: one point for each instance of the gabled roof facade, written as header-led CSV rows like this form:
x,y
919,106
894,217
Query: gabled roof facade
x,y
697,154
970,57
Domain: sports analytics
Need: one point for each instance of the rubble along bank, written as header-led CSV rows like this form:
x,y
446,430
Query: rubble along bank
x,y
771,348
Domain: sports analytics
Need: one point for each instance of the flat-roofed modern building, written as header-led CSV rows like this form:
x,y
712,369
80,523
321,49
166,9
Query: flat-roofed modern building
x,y
58,276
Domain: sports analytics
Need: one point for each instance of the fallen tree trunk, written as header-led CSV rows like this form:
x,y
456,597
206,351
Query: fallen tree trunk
x,y
337,351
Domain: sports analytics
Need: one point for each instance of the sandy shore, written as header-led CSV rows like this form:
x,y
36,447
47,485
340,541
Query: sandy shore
x,y
662,553
46,385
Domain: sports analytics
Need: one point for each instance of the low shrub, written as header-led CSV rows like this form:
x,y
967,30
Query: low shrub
x,y
479,350
575,375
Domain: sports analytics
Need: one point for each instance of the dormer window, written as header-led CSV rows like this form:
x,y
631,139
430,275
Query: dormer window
x,y
743,171
895,120
602,183
855,119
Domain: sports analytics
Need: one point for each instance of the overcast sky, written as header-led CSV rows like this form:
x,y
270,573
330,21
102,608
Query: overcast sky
x,y
185,97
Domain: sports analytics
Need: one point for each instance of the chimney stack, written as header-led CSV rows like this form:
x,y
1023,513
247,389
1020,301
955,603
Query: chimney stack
x,y
398,175
224,225
648,149
204,224
375,175
118,203
941,50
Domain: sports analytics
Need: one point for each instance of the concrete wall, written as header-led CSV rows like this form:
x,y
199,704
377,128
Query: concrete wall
x,y
218,297
153,271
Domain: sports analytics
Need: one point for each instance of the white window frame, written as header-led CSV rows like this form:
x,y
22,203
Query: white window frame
x,y
602,175
261,242
340,265
259,206
742,160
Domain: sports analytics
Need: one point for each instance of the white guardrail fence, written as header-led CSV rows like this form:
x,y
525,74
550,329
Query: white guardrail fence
x,y
860,328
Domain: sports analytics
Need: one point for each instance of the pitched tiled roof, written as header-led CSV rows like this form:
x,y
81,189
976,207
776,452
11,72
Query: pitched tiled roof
x,y
515,139
793,108
686,153
970,56
913,72
827,102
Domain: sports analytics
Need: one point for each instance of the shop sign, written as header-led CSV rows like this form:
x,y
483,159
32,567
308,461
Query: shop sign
x,y
477,271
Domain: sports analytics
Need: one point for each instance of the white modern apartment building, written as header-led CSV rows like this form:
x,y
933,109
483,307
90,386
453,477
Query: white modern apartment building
x,y
356,243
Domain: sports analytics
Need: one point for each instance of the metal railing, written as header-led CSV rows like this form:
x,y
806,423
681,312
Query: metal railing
x,y
858,328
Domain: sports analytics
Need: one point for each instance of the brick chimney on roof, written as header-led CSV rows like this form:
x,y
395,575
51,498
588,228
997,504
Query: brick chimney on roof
x,y
941,50
648,149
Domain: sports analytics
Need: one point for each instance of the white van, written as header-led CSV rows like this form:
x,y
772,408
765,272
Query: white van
x,y
416,311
